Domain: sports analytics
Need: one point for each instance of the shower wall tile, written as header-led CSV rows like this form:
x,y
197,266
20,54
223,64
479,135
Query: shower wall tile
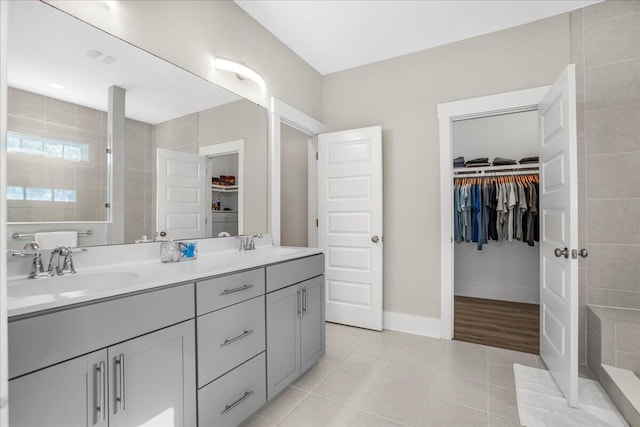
x,y
609,9
605,180
628,338
628,361
612,85
577,38
613,298
613,221
614,267
613,131
612,40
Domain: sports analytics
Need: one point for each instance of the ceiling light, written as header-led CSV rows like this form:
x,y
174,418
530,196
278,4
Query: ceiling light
x,y
109,60
93,53
56,86
241,70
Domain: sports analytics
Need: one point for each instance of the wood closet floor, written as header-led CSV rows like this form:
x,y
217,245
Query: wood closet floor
x,y
510,325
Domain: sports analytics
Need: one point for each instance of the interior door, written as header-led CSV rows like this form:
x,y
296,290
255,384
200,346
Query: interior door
x,y
559,234
350,224
181,195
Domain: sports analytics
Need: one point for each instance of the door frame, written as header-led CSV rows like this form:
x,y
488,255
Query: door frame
x,y
224,149
280,113
448,113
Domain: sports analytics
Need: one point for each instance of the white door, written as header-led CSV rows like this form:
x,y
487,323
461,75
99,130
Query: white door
x,y
559,234
181,206
350,225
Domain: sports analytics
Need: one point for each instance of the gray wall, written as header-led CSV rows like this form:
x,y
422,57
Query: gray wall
x,y
605,42
293,187
243,120
402,95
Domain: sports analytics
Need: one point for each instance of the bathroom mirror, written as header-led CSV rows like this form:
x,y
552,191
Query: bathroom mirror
x,y
59,167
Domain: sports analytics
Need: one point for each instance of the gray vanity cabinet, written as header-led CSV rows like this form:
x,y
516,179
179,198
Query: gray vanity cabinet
x,y
312,339
295,320
152,379
69,394
283,339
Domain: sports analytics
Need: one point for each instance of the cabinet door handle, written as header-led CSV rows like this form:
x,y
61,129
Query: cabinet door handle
x,y
239,337
304,301
238,289
298,302
119,363
101,408
228,408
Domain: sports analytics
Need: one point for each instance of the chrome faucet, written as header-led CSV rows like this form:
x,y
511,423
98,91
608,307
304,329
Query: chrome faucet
x,y
246,241
54,268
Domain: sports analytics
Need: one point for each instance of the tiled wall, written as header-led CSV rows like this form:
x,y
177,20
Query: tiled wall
x,y
139,209
38,115
606,50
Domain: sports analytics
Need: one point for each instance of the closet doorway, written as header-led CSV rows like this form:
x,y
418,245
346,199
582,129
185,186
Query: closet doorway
x,y
496,259
555,107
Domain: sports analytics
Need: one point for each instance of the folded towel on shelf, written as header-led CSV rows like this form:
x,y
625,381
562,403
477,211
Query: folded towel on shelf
x,y
533,159
478,160
53,239
477,165
501,161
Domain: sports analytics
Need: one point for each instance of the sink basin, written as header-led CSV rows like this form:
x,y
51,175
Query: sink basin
x,y
72,283
276,250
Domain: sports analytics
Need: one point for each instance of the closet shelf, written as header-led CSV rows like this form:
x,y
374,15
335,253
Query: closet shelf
x,y
225,188
497,170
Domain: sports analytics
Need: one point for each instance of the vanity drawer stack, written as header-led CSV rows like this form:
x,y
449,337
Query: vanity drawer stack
x,y
231,343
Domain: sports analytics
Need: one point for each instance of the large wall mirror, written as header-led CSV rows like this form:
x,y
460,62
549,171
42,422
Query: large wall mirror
x,y
60,173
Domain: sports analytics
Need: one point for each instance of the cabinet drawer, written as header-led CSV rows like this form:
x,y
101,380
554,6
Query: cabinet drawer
x,y
41,341
224,216
220,292
288,273
232,398
229,337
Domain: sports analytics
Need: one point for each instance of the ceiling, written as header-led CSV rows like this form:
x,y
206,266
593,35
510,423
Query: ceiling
x,y
49,46
335,35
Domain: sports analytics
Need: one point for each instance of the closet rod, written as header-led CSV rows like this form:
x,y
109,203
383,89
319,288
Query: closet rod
x,y
507,173
465,171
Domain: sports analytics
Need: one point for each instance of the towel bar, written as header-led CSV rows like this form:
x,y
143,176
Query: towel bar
x,y
31,235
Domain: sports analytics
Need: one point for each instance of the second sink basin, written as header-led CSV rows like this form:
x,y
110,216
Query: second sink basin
x,y
70,283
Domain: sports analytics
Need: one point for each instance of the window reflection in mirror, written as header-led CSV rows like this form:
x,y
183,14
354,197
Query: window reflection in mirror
x,y
57,137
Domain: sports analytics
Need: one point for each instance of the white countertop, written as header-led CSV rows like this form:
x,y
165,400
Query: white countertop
x,y
28,296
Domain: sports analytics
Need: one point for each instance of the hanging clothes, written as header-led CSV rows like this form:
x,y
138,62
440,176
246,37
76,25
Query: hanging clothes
x,y
498,208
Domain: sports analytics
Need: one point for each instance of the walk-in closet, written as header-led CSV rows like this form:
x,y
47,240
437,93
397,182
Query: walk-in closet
x,y
496,230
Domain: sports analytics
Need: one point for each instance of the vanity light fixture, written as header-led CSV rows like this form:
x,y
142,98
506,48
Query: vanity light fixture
x,y
241,70
56,86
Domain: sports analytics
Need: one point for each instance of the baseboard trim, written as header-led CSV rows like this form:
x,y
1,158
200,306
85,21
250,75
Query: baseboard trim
x,y
417,325
497,292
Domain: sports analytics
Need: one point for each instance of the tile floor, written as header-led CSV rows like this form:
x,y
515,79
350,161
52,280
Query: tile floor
x,y
389,378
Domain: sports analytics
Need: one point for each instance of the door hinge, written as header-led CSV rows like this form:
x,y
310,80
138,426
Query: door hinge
x,y
107,150
107,205
316,222
206,220
316,156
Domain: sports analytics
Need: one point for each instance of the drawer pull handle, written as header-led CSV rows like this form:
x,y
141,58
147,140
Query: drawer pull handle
x,y
239,337
228,408
238,289
102,404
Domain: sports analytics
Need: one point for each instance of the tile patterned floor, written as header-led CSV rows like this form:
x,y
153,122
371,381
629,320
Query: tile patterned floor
x,y
389,378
